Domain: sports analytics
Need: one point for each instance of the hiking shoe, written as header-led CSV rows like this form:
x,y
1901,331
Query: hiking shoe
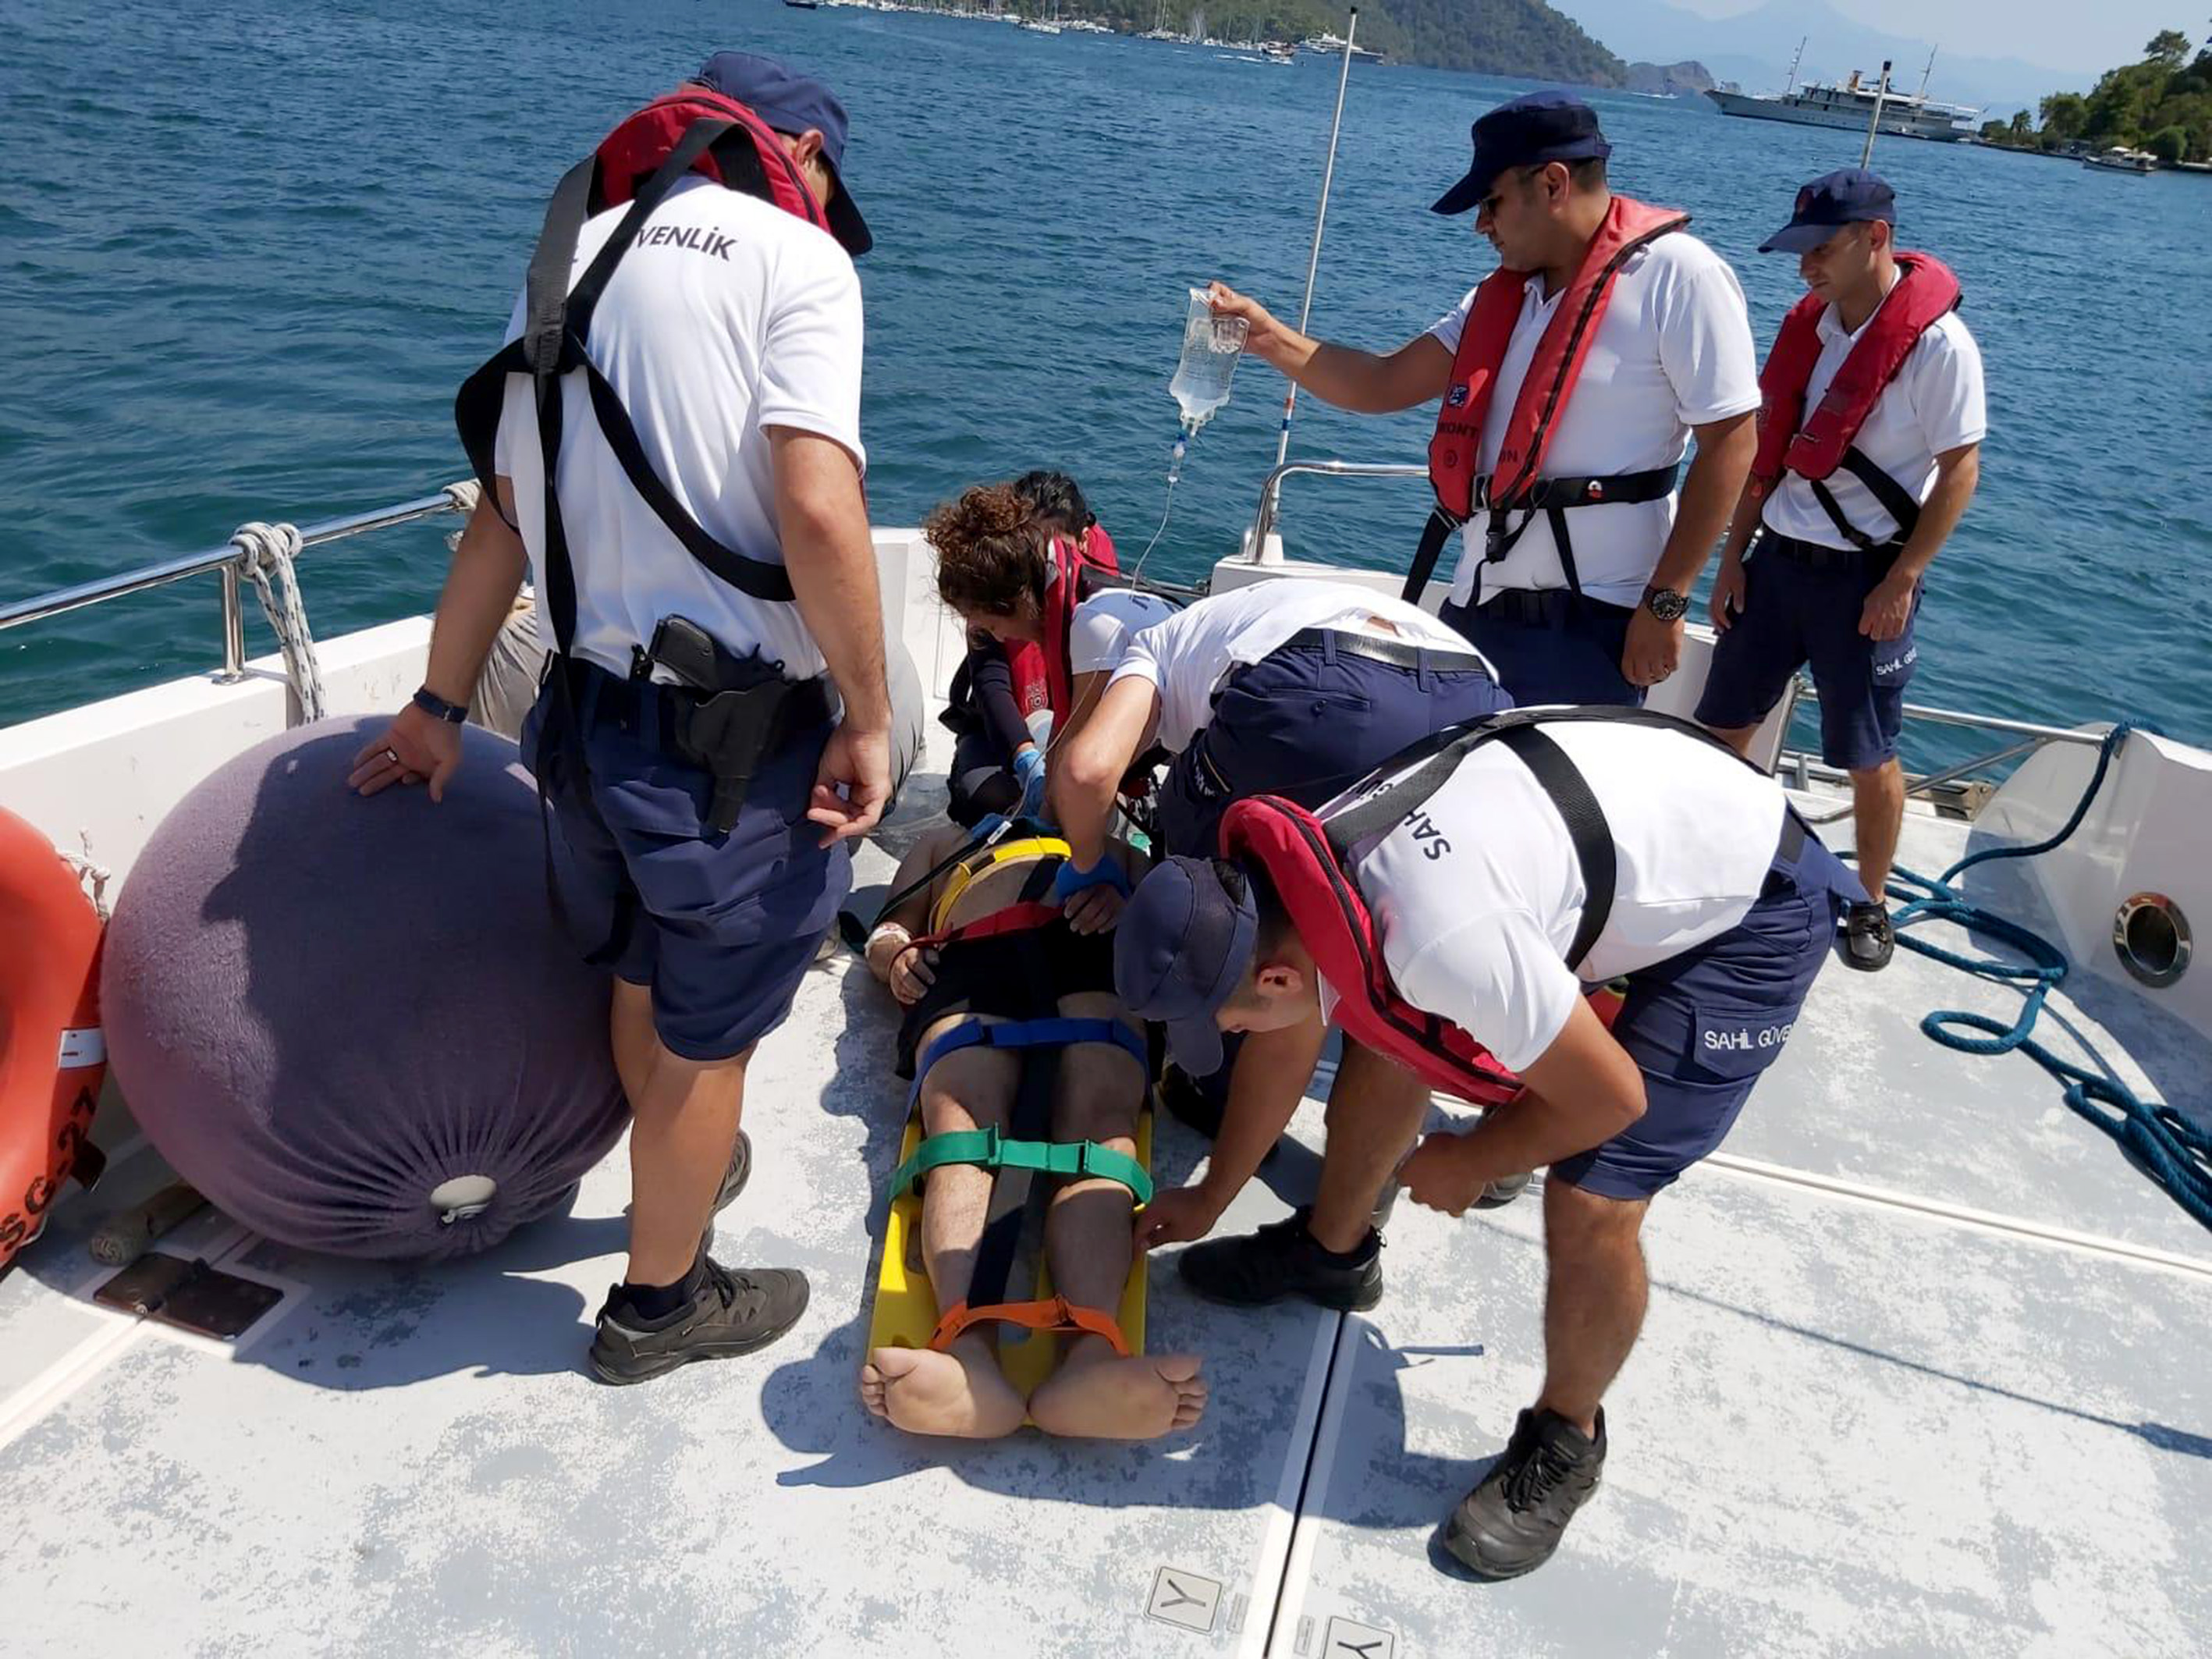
x,y
1189,1104
1499,1193
739,1172
736,1311
1869,942
1512,1522
1284,1259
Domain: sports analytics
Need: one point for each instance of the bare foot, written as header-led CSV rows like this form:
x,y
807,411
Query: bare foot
x,y
961,1392
1099,1394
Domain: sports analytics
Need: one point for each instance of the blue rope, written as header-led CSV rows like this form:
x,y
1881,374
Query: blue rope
x,y
2176,1152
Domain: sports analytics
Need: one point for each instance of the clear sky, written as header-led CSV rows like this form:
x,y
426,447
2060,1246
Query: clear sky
x,y
2060,33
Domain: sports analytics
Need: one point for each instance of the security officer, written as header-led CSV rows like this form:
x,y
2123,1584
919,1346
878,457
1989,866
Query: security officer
x,y
708,353
1571,380
1506,873
1869,448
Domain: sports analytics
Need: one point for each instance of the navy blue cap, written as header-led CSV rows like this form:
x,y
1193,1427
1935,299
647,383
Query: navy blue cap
x,y
1181,948
794,103
1539,126
1850,196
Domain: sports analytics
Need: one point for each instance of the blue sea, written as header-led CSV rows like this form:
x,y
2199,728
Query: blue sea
x,y
247,252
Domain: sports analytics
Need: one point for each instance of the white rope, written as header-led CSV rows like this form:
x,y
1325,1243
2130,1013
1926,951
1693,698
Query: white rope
x,y
92,877
464,495
266,551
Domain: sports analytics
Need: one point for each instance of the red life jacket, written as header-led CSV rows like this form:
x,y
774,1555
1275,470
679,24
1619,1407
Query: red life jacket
x,y
1079,567
634,151
1815,448
1333,922
1517,481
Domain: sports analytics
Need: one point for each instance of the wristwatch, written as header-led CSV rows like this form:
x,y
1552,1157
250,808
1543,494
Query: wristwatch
x,y
1665,603
438,708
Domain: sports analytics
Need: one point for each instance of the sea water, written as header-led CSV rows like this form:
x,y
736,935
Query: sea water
x,y
247,252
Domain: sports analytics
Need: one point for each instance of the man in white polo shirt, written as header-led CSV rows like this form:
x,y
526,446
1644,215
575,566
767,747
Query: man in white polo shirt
x,y
671,439
1571,380
1506,871
1869,449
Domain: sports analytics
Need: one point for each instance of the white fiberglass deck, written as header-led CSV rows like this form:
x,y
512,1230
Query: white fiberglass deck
x,y
1852,1427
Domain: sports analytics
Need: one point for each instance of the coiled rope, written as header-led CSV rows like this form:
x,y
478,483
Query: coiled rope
x,y
265,556
2176,1152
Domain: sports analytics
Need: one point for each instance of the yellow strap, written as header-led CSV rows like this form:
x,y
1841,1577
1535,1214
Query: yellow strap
x,y
989,858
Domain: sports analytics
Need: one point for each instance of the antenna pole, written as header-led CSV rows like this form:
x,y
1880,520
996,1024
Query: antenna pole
x,y
1874,121
1321,218
1926,72
1797,57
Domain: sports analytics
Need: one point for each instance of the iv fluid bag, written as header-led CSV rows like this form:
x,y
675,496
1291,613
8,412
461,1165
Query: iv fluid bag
x,y
1210,347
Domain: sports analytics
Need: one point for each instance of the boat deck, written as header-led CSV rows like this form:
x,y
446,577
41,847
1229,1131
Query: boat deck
x,y
1853,1425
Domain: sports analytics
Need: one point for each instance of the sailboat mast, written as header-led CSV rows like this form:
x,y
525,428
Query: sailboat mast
x,y
1794,60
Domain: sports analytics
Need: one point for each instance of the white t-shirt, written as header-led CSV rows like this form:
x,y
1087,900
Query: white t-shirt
x,y
1674,350
1186,657
1099,632
1478,895
1936,404
726,315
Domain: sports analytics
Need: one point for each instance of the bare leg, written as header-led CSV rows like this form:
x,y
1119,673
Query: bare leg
x,y
1095,1392
1737,738
961,1391
1594,1298
684,1124
1375,1109
1877,816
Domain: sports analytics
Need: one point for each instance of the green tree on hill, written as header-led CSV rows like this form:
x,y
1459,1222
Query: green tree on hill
x,y
2163,104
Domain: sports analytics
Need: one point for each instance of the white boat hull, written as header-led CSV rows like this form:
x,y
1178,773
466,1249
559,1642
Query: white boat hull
x,y
1901,123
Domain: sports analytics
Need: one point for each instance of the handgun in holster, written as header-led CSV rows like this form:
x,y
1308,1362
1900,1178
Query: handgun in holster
x,y
732,711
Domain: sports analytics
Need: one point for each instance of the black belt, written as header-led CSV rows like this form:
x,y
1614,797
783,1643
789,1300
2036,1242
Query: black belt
x,y
1399,653
1813,555
1533,606
623,701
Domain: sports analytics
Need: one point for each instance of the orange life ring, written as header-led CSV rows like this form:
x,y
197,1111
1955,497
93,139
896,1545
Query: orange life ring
x,y
52,1056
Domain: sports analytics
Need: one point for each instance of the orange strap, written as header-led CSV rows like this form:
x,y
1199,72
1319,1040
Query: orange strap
x,y
1057,1314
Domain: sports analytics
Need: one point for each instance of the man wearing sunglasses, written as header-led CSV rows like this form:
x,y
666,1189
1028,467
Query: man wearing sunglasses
x,y
1571,380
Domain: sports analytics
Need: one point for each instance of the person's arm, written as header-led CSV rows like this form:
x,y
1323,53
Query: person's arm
x,y
1268,1081
1727,603
991,677
1095,761
481,584
909,972
1362,381
1712,489
1890,605
832,559
1579,1093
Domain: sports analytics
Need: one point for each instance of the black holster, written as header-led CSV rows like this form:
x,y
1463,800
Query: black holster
x,y
728,712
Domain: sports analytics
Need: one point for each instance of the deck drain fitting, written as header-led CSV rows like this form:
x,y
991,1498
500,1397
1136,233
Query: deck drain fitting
x,y
2150,936
463,1198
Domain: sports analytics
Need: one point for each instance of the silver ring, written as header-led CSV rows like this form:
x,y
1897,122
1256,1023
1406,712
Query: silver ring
x,y
391,755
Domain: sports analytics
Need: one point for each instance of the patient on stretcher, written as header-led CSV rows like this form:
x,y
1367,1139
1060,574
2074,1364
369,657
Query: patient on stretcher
x,y
1097,1087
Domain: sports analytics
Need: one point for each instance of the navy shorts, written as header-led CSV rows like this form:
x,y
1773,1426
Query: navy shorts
x,y
1795,613
1307,721
722,925
1702,1026
1552,647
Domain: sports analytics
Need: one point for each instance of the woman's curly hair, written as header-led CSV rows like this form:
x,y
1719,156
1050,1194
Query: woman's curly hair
x,y
990,551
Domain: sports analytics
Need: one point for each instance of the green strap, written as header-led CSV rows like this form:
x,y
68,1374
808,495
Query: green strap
x,y
989,1150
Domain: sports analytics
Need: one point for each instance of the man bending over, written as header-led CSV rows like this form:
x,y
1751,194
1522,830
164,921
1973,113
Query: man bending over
x,y
1099,1090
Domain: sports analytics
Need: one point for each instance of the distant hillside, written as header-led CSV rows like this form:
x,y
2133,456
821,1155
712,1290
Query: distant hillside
x,y
1503,37
1681,80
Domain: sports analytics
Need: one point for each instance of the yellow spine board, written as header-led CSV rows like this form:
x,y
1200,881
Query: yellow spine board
x,y
957,879
905,1314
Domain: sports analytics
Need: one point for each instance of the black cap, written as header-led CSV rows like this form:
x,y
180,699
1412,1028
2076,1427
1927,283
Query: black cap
x,y
1539,126
1852,195
794,103
1181,948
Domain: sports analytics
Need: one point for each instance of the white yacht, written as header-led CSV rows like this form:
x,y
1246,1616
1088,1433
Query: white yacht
x,y
1851,103
2121,158
1924,1369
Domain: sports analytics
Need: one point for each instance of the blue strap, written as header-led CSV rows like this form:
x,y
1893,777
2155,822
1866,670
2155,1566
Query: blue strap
x,y
1058,1032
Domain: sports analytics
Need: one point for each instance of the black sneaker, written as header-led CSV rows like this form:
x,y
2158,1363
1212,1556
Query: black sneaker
x,y
1188,1104
735,1313
1284,1259
739,1172
1499,1193
1869,942
1512,1522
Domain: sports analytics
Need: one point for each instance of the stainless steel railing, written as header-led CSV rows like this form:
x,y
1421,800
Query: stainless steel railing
x,y
226,561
